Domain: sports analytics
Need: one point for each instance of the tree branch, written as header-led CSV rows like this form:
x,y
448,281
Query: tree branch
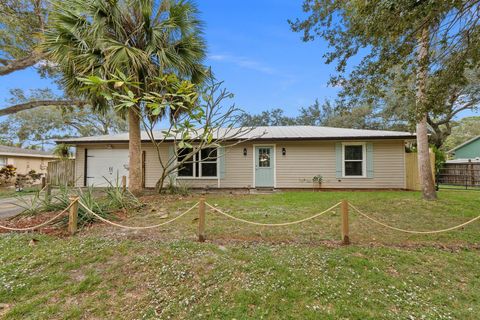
x,y
41,103
20,64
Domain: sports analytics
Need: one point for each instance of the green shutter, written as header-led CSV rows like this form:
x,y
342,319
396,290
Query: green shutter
x,y
339,160
171,155
370,170
221,162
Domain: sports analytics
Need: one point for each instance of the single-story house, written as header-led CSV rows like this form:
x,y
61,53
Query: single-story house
x,y
25,160
266,157
469,150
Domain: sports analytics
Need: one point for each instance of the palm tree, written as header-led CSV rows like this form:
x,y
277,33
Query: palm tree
x,y
141,39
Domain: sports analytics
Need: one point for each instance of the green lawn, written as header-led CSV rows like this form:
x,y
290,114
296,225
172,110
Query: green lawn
x,y
247,272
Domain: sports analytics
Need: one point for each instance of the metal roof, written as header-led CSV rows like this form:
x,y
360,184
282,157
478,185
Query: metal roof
x,y
15,151
265,133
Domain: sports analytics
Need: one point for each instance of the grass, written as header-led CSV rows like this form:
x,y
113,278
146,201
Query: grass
x,y
245,272
401,209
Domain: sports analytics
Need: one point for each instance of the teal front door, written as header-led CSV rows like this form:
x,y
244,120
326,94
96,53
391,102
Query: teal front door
x,y
264,167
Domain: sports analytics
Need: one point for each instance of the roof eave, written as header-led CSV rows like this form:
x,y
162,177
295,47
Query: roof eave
x,y
464,144
10,154
403,137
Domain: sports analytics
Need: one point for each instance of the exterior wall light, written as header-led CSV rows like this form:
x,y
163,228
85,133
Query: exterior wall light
x,y
245,152
284,152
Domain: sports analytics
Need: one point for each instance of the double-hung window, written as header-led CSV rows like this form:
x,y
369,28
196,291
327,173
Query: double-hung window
x,y
354,160
3,161
202,164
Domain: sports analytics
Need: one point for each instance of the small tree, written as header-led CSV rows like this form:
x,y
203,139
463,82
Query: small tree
x,y
197,117
62,151
205,124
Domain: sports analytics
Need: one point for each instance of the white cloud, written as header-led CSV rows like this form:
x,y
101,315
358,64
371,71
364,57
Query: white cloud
x,y
45,63
243,62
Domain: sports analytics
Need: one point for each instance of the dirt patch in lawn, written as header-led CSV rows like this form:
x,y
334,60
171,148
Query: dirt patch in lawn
x,y
56,228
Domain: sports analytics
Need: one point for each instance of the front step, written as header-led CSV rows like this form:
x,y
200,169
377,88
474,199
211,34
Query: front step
x,y
262,191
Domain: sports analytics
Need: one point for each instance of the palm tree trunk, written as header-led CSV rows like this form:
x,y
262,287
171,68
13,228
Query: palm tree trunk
x,y
424,166
134,151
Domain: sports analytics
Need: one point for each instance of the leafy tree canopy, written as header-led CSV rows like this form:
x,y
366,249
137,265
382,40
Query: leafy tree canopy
x,y
38,127
329,114
385,35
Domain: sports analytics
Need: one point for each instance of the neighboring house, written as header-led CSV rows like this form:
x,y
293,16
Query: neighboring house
x,y
276,157
25,160
469,150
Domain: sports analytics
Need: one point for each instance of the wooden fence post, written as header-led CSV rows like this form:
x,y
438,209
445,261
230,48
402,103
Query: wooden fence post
x,y
44,182
345,227
124,183
73,216
201,219
48,193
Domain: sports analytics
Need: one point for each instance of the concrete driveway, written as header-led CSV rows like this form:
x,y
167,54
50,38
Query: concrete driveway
x,y
9,207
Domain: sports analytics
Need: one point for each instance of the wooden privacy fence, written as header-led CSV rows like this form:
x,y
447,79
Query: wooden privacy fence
x,y
61,173
465,175
412,177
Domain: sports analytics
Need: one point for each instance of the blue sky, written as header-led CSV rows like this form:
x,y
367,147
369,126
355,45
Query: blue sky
x,y
251,48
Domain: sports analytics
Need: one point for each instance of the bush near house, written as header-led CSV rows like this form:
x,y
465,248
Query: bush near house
x,y
26,180
7,174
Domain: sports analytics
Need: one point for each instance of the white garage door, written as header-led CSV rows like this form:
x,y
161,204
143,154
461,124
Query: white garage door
x,y
106,165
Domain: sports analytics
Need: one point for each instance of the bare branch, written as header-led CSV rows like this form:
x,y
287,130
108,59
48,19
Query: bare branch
x,y
40,103
10,66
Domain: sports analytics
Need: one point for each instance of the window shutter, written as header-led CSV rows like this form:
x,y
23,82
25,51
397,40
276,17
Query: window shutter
x,y
221,162
171,155
370,171
339,164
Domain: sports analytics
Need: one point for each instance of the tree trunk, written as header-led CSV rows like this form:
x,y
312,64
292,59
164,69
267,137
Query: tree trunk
x,y
134,151
424,166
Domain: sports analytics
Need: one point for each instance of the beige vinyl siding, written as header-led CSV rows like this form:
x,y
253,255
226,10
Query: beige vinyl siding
x,y
238,168
198,183
304,160
26,164
79,166
153,167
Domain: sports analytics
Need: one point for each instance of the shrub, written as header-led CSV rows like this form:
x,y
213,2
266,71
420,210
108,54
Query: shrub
x,y
7,173
113,199
177,187
26,179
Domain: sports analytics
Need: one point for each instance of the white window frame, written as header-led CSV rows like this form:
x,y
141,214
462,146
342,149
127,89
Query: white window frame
x,y
3,164
364,159
197,159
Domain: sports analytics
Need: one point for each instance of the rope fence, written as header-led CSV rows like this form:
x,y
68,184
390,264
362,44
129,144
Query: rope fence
x,y
412,231
271,224
41,224
75,202
132,227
